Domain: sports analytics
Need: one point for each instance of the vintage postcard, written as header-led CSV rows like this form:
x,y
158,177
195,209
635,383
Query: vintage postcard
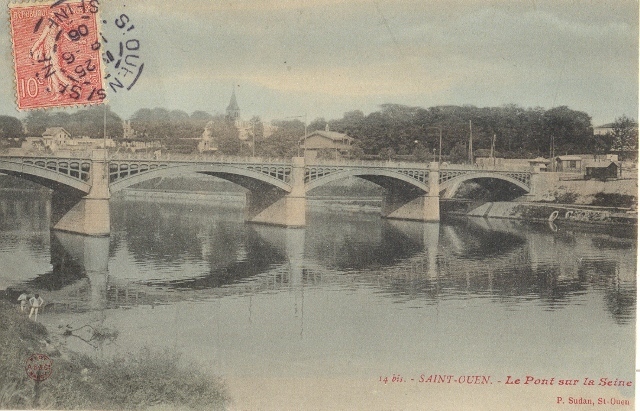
x,y
318,205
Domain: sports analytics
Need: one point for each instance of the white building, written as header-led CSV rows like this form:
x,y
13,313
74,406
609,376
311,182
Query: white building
x,y
325,142
207,143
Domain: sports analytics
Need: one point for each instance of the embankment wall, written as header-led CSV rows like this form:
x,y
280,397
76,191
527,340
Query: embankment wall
x,y
556,186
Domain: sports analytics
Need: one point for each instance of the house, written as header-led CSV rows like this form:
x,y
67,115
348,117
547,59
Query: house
x,y
600,169
569,164
87,143
539,163
603,129
324,143
54,137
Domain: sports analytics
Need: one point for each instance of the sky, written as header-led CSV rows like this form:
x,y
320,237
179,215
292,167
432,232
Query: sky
x,y
322,58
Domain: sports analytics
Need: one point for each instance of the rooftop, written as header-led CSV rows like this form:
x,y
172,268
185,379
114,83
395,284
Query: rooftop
x,y
332,135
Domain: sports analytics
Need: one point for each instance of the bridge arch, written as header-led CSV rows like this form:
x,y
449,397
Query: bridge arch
x,y
416,179
61,173
242,175
450,186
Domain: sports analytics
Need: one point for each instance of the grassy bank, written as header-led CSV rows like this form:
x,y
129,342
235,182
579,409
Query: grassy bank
x,y
142,381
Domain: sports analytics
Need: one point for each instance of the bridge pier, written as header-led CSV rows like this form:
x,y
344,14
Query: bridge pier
x,y
410,204
90,216
276,207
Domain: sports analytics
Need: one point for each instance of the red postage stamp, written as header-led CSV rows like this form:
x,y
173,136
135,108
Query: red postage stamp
x,y
56,51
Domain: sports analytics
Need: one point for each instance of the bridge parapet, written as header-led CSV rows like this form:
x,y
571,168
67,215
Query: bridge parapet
x,y
524,177
123,168
196,158
76,168
319,169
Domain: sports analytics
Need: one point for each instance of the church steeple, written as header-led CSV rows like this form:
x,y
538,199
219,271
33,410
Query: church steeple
x,y
233,111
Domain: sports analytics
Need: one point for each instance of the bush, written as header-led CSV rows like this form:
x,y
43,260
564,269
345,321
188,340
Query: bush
x,y
565,198
153,378
614,200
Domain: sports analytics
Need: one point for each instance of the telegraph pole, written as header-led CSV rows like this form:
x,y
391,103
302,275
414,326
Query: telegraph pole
x,y
305,132
470,143
104,131
493,149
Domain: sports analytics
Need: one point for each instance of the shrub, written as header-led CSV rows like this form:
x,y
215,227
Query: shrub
x,y
565,198
614,200
152,378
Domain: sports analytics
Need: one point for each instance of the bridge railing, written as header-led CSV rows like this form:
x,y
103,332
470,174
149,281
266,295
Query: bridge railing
x,y
195,158
200,158
77,155
484,167
366,163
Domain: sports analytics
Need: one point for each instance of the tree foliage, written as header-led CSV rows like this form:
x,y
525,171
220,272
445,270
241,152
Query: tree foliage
x,y
87,122
284,141
392,131
624,136
10,128
518,132
175,129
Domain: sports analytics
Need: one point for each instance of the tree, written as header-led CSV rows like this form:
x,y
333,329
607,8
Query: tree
x,y
257,128
318,124
226,136
10,128
36,122
571,130
283,143
87,122
200,115
624,137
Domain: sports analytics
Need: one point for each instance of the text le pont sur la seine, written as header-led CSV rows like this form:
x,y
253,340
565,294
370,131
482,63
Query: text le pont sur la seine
x,y
510,380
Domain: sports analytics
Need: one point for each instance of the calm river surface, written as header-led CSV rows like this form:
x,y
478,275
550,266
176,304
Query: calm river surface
x,y
351,297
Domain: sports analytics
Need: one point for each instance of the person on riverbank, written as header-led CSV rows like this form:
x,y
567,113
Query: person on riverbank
x,y
36,302
23,301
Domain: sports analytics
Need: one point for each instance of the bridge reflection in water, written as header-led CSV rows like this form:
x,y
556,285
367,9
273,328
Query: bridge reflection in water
x,y
178,258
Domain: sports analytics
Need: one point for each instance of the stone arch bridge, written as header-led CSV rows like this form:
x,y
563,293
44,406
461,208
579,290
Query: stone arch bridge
x,y
276,189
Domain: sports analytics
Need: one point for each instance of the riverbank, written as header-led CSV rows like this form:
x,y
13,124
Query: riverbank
x,y
142,381
548,212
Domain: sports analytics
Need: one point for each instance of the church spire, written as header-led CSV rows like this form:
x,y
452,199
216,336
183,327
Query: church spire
x,y
233,111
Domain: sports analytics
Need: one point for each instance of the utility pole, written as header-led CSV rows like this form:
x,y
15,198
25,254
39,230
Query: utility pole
x,y
470,143
104,131
253,135
493,149
440,147
553,152
439,128
305,133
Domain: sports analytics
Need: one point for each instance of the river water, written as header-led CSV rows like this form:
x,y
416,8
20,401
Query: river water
x,y
316,318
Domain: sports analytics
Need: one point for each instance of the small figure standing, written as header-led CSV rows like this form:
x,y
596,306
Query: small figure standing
x,y
23,301
36,302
